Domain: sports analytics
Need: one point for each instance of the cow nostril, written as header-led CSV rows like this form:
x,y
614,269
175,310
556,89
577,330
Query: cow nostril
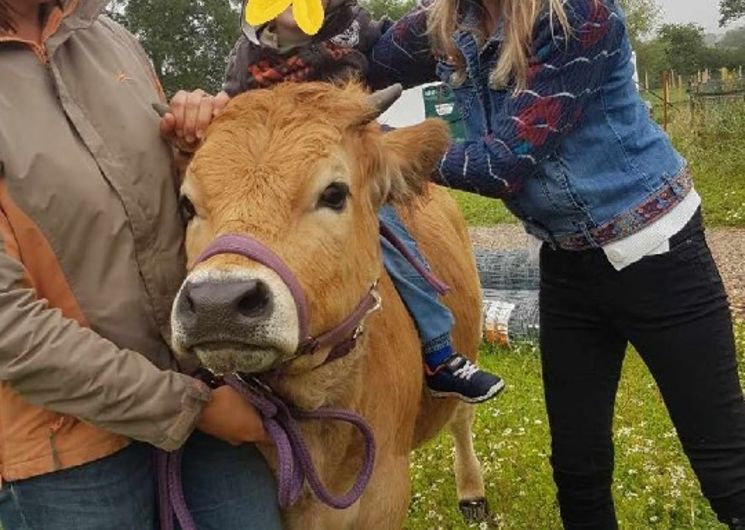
x,y
256,300
190,308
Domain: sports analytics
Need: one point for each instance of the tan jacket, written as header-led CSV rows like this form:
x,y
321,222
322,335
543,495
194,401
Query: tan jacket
x,y
90,250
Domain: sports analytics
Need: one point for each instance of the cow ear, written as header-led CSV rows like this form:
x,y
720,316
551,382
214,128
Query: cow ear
x,y
410,156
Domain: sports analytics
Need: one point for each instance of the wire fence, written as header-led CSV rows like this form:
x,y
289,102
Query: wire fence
x,y
510,281
696,94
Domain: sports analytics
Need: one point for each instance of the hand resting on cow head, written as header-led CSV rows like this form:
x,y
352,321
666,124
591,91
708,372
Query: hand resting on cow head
x,y
303,169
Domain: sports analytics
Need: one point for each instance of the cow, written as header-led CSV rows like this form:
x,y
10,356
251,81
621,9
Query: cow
x,y
303,168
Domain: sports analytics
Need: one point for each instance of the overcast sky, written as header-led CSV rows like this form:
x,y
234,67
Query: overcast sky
x,y
704,12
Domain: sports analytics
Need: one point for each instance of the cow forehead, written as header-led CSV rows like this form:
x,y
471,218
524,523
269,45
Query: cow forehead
x,y
224,166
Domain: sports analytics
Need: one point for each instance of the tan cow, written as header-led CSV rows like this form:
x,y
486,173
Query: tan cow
x,y
303,168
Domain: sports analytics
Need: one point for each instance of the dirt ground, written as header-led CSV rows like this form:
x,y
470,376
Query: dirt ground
x,y
727,245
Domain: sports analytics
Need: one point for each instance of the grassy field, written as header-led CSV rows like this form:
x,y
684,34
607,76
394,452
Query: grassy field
x,y
654,486
713,144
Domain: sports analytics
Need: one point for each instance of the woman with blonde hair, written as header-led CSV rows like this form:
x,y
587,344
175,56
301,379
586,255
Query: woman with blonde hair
x,y
555,127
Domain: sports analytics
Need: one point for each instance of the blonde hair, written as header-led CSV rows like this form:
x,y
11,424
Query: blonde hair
x,y
519,18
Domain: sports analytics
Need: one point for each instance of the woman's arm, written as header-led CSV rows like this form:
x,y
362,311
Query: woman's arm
x,y
56,363
403,54
529,126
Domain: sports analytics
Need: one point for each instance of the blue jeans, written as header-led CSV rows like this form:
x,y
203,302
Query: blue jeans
x,y
226,488
433,319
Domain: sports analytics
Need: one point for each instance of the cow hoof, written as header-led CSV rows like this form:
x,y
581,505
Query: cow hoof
x,y
475,510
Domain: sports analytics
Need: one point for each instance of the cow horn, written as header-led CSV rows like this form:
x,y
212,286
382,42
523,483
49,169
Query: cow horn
x,y
382,100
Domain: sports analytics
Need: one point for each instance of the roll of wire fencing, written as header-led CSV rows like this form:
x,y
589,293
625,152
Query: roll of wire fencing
x,y
509,281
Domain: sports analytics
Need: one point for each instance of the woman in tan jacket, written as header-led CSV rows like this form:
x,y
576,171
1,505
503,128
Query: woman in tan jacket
x,y
90,259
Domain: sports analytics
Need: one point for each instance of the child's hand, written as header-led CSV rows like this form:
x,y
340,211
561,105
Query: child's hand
x,y
189,116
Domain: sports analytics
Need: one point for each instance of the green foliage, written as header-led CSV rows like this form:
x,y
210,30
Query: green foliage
x,y
641,18
187,40
393,9
651,60
713,144
654,487
684,47
733,39
482,211
731,10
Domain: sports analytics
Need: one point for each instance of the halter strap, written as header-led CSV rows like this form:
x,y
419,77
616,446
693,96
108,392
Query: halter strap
x,y
342,338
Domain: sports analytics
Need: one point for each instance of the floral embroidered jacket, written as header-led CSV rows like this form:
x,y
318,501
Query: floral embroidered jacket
x,y
575,154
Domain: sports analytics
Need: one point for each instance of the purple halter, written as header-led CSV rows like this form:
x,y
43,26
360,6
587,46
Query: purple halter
x,y
342,338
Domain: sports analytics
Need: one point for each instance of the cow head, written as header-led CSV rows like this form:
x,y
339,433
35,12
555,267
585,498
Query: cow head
x,y
302,168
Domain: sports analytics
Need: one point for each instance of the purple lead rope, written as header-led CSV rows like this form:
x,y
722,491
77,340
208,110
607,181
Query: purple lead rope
x,y
294,462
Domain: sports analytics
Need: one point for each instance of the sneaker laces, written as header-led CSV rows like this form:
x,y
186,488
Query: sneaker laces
x,y
466,371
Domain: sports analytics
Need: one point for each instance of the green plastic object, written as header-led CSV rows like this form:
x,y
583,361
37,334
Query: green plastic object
x,y
439,102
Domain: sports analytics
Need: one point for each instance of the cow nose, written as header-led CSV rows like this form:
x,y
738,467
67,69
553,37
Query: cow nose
x,y
225,303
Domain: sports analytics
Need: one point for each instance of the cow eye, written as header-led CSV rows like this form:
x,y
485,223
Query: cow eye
x,y
188,212
334,197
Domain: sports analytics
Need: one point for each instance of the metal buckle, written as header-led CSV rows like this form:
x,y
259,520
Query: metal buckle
x,y
378,299
378,305
254,382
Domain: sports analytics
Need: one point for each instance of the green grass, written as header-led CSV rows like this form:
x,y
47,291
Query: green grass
x,y
714,145
654,486
481,211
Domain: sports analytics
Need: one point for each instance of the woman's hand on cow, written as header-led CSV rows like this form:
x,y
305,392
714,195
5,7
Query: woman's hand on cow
x,y
190,115
228,417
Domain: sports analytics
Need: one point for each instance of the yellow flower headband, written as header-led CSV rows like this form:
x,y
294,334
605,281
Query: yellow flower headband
x,y
307,13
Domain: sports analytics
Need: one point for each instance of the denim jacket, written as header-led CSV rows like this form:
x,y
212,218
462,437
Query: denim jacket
x,y
575,154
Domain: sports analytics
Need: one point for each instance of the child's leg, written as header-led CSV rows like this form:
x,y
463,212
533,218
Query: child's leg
x,y
432,318
448,372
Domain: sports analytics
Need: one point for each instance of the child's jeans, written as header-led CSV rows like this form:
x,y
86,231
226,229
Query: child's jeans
x,y
433,320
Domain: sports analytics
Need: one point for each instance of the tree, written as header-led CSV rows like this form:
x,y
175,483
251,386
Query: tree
x,y
641,18
731,10
187,40
393,9
684,47
734,39
651,60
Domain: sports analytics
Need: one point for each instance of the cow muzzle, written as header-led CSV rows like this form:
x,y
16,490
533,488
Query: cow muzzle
x,y
250,320
235,320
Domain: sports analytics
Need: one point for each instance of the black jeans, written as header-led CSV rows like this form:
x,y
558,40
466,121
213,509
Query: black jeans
x,y
673,309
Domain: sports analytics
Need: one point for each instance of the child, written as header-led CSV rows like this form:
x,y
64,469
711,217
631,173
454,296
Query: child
x,y
280,51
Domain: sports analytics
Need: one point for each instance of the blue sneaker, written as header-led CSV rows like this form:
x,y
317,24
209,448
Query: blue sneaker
x,y
458,377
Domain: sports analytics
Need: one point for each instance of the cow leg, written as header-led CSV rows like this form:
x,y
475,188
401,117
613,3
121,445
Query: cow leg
x,y
468,476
